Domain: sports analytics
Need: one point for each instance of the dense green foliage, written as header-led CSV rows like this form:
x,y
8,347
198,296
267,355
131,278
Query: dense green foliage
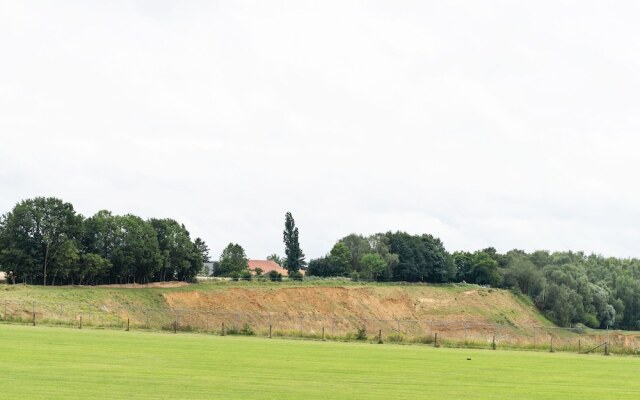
x,y
44,241
203,249
395,256
572,287
569,287
62,363
233,261
478,267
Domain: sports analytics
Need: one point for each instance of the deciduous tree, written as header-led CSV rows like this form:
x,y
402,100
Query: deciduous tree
x,y
233,260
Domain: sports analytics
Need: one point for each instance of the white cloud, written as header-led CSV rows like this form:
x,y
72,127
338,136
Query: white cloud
x,y
483,123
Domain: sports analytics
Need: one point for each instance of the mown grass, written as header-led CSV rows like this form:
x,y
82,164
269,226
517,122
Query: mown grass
x,y
62,363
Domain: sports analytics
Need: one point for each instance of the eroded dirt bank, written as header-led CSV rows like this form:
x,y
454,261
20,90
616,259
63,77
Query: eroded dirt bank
x,y
471,304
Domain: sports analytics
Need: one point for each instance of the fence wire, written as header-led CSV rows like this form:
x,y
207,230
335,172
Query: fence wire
x,y
224,322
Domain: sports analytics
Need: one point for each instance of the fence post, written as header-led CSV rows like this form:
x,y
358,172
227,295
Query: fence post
x,y
323,332
127,324
270,327
435,341
380,336
606,349
80,326
493,344
222,333
579,346
33,318
551,350
175,324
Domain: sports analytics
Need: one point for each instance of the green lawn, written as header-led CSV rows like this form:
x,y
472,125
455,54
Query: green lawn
x,y
65,363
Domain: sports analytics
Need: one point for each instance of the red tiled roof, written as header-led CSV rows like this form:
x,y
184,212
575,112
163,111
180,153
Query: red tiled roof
x,y
266,266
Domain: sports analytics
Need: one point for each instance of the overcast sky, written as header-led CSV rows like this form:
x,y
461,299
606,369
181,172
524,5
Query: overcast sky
x,y
485,123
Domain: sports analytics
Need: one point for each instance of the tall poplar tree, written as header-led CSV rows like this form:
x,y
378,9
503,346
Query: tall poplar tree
x,y
295,256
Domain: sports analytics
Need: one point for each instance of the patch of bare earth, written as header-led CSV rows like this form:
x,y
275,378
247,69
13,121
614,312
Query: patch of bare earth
x,y
314,307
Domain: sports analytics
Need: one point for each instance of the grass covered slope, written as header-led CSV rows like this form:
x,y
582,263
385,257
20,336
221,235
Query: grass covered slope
x,y
62,363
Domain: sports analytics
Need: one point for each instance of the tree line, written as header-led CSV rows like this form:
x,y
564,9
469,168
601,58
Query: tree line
x,y
44,241
568,287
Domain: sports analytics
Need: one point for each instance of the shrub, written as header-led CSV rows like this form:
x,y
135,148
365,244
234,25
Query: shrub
x,y
296,276
591,321
246,275
232,330
580,328
246,330
361,334
395,338
275,276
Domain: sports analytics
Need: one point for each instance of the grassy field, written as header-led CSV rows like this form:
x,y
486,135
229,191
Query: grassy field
x,y
64,363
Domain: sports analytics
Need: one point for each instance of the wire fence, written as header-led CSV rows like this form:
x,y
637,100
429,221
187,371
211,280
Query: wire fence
x,y
434,332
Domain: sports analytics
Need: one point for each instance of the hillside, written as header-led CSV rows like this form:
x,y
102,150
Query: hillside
x,y
459,314
451,303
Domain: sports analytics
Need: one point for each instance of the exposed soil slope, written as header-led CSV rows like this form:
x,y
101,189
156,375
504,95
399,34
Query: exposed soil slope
x,y
198,305
444,303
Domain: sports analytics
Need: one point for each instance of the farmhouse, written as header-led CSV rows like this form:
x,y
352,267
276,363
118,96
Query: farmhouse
x,y
266,266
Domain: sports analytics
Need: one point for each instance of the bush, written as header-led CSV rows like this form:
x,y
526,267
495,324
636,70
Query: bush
x,y
395,338
274,276
591,321
246,275
355,276
232,330
296,276
361,334
580,328
246,330
234,276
